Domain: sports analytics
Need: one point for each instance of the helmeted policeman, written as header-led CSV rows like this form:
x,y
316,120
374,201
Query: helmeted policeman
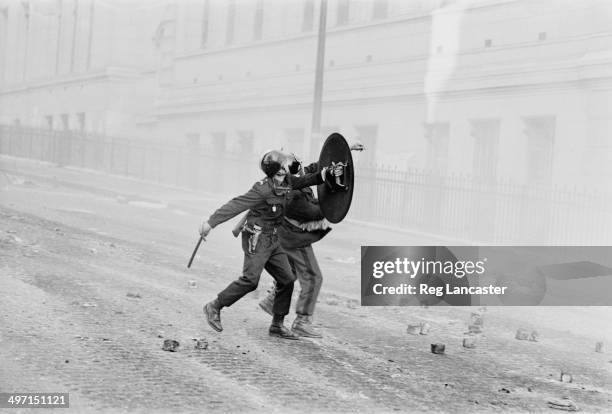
x,y
303,225
266,202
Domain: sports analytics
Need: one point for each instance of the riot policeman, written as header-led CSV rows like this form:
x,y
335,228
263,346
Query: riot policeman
x,y
266,202
303,225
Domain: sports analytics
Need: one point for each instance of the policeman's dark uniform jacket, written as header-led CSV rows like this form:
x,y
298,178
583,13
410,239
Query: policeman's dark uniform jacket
x,y
303,207
266,202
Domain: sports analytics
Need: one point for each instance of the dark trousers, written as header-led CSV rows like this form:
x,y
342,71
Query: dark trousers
x,y
305,266
267,255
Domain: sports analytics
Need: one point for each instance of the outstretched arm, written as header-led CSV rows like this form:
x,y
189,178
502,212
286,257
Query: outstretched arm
x,y
231,209
310,168
307,180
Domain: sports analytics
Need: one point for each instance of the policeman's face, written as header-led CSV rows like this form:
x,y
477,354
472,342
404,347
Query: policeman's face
x,y
279,177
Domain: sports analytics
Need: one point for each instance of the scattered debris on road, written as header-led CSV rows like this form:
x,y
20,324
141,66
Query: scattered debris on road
x,y
170,345
437,348
564,404
566,377
200,343
422,328
469,343
522,334
476,323
414,329
476,319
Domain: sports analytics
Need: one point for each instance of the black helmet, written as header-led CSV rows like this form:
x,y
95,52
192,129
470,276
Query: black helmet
x,y
272,162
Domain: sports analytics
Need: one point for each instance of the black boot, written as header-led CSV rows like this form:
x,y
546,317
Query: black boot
x,y
212,310
278,329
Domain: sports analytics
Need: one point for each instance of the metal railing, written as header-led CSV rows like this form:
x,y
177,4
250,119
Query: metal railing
x,y
453,206
499,212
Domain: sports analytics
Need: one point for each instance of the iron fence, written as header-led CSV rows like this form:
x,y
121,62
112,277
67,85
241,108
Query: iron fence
x,y
499,212
453,206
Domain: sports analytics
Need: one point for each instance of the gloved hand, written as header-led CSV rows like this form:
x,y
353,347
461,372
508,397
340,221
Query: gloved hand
x,y
337,169
332,174
334,170
204,228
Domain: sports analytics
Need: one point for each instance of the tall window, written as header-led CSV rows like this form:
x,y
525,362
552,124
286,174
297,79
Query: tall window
x,y
381,9
75,25
26,43
81,121
343,12
486,148
540,132
308,20
231,20
437,136
205,24
3,36
192,161
65,122
192,140
258,28
246,142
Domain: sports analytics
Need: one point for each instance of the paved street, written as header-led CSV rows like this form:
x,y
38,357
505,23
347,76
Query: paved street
x,y
93,278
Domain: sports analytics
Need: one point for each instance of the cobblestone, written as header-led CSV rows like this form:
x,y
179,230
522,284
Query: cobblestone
x,y
364,363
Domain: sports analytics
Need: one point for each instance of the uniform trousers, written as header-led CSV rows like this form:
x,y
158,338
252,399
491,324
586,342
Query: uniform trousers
x,y
305,266
268,255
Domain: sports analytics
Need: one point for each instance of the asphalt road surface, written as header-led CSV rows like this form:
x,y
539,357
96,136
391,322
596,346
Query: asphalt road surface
x,y
94,279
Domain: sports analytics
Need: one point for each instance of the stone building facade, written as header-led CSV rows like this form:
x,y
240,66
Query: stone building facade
x,y
487,88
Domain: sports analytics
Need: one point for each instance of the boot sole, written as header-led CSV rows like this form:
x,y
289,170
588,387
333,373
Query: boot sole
x,y
306,335
216,328
281,336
